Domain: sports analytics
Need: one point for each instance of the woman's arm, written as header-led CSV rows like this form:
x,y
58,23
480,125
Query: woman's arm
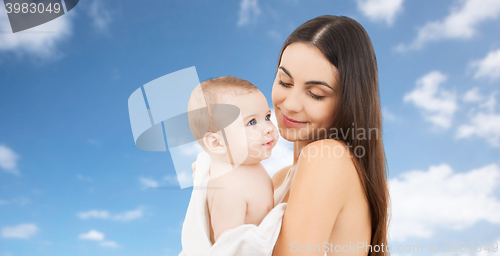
x,y
322,185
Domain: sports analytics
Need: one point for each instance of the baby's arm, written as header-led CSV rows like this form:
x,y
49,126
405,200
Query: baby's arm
x,y
228,209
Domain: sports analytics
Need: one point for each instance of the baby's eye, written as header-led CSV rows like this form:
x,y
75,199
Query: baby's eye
x,y
268,117
252,122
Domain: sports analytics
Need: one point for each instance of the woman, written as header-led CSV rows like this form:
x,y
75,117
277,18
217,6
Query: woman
x,y
326,101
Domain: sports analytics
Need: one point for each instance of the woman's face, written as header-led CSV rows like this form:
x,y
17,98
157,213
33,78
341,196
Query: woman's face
x,y
305,93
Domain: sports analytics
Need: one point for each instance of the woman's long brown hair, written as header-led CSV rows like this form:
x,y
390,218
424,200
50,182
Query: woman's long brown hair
x,y
345,43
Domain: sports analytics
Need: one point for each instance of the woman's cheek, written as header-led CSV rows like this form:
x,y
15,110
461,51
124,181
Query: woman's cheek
x,y
277,94
317,114
274,96
327,116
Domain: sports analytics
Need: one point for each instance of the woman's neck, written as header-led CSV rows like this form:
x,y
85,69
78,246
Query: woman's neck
x,y
297,147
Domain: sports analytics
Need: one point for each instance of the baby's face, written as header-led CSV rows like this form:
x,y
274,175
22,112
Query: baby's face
x,y
261,134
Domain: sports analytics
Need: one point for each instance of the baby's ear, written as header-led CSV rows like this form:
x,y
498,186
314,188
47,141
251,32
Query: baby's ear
x,y
214,143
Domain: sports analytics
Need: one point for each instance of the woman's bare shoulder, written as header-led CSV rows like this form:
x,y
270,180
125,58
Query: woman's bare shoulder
x,y
328,159
322,187
327,150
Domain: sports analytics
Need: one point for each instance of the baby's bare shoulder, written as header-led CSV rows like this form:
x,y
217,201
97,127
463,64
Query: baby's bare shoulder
x,y
232,180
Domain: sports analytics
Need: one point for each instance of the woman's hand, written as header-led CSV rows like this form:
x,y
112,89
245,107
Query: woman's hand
x,y
194,168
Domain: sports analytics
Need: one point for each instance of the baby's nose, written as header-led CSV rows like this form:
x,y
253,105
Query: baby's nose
x,y
269,129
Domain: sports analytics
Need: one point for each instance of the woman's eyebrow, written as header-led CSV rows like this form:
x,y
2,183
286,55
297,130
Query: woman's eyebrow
x,y
319,82
286,71
309,82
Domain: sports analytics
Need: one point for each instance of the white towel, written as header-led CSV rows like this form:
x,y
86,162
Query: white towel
x,y
247,239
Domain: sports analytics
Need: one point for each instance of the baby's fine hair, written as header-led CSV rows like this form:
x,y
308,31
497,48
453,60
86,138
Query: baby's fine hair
x,y
203,119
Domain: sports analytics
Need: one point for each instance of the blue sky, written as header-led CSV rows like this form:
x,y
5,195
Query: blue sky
x,y
72,182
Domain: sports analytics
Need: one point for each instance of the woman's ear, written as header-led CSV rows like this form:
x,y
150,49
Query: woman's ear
x,y
214,143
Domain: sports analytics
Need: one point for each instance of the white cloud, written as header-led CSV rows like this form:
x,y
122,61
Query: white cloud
x,y
171,179
437,105
103,214
95,235
461,23
491,251
8,158
41,41
381,10
94,142
18,200
423,201
92,235
484,123
109,244
387,114
490,104
249,11
473,95
128,216
489,67
21,200
182,177
99,14
275,35
81,177
148,183
22,231
191,149
93,214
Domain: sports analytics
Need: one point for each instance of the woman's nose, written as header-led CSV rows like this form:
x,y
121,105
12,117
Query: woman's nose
x,y
292,102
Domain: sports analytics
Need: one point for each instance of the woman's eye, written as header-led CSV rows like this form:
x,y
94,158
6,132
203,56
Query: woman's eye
x,y
268,118
252,122
316,96
287,85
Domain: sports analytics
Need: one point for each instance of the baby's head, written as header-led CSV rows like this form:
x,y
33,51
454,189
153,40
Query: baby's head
x,y
250,138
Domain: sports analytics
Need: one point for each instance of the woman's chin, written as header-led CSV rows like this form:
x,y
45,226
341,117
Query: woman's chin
x,y
291,135
287,137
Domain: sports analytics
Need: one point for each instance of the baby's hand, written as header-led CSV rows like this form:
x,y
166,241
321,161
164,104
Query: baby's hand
x,y
194,168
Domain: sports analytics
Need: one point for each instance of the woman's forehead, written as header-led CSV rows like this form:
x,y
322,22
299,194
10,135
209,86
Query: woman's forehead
x,y
306,62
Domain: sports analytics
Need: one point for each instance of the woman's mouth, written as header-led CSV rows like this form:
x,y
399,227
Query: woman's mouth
x,y
290,122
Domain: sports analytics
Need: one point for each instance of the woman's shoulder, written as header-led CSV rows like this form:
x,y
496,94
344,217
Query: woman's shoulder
x,y
324,171
328,158
326,150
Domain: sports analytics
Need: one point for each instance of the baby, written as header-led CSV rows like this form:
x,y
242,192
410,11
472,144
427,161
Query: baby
x,y
240,190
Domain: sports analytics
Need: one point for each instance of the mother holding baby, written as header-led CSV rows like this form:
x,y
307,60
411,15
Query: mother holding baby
x,y
326,100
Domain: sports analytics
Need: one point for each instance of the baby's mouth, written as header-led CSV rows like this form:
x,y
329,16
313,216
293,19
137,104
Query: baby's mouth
x,y
268,144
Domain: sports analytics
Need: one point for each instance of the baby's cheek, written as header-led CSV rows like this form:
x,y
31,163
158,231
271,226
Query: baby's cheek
x,y
276,134
253,135
254,150
254,146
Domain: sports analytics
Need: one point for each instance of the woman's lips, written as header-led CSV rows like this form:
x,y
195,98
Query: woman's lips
x,y
290,122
